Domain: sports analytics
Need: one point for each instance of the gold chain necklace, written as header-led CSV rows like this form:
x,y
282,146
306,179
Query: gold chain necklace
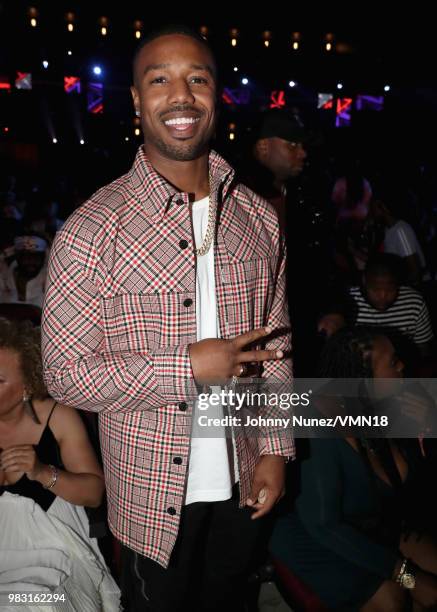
x,y
209,234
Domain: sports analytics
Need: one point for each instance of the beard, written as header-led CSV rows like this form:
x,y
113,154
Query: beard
x,y
183,151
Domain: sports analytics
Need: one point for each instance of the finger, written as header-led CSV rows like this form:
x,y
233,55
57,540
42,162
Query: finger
x,y
17,449
262,509
251,336
14,466
412,401
254,493
14,453
261,355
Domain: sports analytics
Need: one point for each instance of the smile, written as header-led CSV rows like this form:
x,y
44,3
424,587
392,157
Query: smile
x,y
182,123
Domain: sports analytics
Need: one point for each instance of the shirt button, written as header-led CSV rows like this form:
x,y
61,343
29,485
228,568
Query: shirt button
x,y
180,202
183,406
183,244
188,302
177,460
171,511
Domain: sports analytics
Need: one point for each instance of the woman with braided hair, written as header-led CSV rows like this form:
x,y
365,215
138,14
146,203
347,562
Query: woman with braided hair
x,y
345,538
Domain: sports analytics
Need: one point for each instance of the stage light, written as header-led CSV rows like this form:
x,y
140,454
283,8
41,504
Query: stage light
x,y
69,17
127,139
267,35
103,21
387,88
33,14
138,27
55,140
235,68
232,136
234,37
69,52
339,85
292,83
329,39
137,131
97,70
45,64
82,141
245,81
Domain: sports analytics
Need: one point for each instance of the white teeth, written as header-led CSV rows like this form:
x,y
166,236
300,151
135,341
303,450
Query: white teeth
x,y
182,121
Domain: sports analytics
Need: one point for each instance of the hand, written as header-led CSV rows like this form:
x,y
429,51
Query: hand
x,y
331,323
215,361
268,485
21,458
425,591
414,407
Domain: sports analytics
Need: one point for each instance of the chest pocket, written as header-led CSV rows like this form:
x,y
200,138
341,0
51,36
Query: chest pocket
x,y
143,322
248,292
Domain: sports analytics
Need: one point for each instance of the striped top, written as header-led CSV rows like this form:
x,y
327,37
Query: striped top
x,y
409,314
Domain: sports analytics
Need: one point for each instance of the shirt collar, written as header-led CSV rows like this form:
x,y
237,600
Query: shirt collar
x,y
157,194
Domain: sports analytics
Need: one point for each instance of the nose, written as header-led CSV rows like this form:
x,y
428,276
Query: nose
x,y
180,93
302,152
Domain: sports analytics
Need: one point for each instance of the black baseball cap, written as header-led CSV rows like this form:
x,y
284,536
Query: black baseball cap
x,y
282,124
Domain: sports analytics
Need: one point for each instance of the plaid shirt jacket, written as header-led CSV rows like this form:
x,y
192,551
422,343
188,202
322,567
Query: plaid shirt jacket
x,y
119,315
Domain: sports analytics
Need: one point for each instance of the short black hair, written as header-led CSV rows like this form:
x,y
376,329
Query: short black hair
x,y
170,29
385,264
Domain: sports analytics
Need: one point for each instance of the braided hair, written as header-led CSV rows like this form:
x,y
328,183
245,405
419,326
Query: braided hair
x,y
348,353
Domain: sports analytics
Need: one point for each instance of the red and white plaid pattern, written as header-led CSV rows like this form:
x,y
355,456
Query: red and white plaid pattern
x,y
116,333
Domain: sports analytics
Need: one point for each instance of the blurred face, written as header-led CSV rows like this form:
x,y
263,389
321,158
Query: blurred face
x,y
175,92
381,291
11,382
385,362
377,210
29,263
387,368
285,159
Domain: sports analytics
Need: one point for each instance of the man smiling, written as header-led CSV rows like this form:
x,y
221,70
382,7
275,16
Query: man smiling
x,y
152,294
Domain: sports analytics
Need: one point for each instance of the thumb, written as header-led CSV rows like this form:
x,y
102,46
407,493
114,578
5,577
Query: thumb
x,y
254,493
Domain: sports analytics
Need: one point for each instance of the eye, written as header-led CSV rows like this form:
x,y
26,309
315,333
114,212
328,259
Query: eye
x,y
199,80
158,80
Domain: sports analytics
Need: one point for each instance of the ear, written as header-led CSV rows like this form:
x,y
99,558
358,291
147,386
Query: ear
x,y
261,148
135,98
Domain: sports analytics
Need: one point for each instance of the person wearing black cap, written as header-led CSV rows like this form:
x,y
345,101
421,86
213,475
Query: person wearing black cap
x,y
280,149
281,176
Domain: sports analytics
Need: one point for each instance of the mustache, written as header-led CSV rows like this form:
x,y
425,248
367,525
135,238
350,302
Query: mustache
x,y
182,108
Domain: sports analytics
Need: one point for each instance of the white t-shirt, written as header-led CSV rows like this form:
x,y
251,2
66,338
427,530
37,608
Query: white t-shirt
x,y
400,239
212,469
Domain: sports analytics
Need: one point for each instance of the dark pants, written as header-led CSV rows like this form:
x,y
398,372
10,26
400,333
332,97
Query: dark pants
x,y
209,566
